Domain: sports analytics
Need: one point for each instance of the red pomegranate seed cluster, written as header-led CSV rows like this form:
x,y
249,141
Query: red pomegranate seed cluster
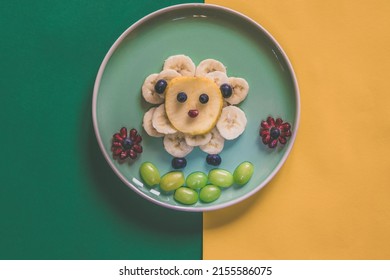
x,y
273,131
126,145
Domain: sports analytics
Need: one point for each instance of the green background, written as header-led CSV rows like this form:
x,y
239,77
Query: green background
x,y
59,199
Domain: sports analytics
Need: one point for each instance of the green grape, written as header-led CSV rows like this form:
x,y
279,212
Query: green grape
x,y
209,193
149,173
196,180
220,177
243,173
186,195
171,181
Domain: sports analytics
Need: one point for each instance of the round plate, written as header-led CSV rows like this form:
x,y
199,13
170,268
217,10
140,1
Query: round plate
x,y
199,31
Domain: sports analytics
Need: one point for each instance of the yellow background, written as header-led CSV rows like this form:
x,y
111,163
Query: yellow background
x,y
331,199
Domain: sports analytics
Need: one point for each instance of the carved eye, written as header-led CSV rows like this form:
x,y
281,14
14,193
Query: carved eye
x,y
203,98
181,97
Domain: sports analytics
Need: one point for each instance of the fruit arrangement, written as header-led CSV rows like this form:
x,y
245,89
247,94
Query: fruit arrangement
x,y
195,107
273,131
126,145
197,185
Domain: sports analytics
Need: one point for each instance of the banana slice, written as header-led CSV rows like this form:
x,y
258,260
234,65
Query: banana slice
x,y
240,90
197,140
181,64
218,77
232,122
148,92
161,122
209,65
216,143
147,123
175,145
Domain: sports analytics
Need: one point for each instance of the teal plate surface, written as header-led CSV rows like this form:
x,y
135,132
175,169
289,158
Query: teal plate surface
x,y
200,31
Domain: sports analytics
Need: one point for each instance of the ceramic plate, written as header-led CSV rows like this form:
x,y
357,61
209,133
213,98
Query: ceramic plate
x,y
199,31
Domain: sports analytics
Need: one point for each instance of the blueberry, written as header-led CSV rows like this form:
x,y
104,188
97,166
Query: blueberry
x,y
127,143
178,163
226,90
275,133
213,159
203,98
181,97
160,86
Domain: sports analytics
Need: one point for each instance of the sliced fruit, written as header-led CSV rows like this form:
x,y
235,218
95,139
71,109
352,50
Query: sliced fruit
x,y
209,65
161,122
232,122
218,77
197,140
147,124
240,89
176,145
216,143
191,116
181,64
149,93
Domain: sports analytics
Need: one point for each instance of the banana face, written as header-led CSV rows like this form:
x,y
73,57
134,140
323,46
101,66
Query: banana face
x,y
193,104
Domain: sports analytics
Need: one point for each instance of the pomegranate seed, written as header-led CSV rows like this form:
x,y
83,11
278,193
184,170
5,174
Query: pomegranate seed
x,y
265,125
278,122
286,133
118,137
133,133
271,121
138,139
282,140
273,143
266,139
123,155
137,148
117,144
132,154
117,151
123,132
264,132
286,126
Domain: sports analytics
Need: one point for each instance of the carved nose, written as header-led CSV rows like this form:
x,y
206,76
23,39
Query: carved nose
x,y
193,113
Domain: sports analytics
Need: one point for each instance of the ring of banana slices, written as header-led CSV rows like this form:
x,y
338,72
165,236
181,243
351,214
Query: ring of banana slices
x,y
195,106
